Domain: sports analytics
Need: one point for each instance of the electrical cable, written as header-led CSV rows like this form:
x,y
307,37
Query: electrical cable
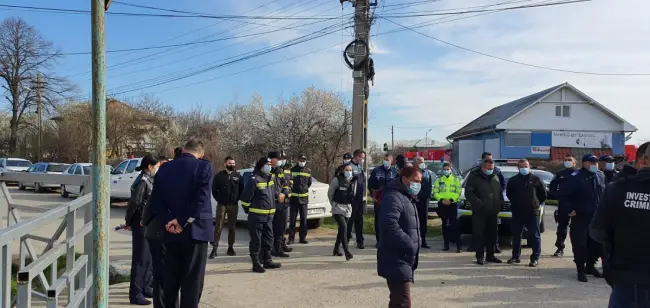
x,y
513,61
439,13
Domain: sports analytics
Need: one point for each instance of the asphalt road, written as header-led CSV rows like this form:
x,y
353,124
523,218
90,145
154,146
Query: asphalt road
x,y
312,277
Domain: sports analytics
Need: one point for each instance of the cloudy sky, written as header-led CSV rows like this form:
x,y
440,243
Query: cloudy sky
x,y
421,83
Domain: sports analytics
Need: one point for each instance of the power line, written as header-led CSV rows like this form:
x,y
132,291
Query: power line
x,y
513,61
420,127
442,13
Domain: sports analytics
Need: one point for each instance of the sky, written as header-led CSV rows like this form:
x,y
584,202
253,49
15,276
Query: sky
x,y
421,84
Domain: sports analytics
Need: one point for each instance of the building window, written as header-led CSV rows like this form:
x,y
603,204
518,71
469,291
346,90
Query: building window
x,y
517,140
563,111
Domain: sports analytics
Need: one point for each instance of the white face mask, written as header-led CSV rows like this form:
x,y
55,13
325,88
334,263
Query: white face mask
x,y
154,171
302,163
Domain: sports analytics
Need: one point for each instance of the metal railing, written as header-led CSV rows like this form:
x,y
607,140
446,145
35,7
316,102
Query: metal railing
x,y
76,280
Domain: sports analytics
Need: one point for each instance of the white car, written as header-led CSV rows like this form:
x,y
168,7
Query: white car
x,y
122,177
14,164
505,216
318,208
43,168
75,169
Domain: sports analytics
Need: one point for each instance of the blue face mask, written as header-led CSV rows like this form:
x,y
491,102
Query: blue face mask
x,y
446,172
386,164
266,169
488,171
347,174
593,168
278,163
568,164
524,171
414,188
609,166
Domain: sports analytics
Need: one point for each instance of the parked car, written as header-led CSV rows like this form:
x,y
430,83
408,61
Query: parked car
x,y
43,168
122,177
14,164
75,169
505,216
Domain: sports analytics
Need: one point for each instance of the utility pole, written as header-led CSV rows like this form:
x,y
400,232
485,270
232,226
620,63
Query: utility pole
x,y
39,111
359,99
392,139
100,183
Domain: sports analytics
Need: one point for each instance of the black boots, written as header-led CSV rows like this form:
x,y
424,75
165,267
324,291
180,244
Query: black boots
x,y
230,252
286,248
582,275
213,254
591,270
257,266
559,253
268,263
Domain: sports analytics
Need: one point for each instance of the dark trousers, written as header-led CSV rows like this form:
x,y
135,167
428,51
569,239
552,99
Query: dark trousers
x,y
297,208
223,211
184,271
400,293
141,267
484,234
261,234
517,225
279,227
375,210
630,296
356,221
450,229
158,252
423,216
562,230
342,235
586,251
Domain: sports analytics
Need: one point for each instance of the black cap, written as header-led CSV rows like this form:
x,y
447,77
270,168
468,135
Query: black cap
x,y
590,157
607,158
262,161
274,154
302,156
347,156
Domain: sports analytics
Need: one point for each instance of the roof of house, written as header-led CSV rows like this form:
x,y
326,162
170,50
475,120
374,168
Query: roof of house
x,y
496,115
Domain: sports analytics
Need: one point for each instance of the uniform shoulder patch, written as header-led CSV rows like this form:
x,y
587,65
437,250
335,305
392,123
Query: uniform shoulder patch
x,y
575,173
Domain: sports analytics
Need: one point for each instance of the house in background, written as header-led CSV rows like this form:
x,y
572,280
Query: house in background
x,y
547,125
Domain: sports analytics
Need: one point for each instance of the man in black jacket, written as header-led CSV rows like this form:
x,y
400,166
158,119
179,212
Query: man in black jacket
x,y
621,225
226,189
561,214
526,192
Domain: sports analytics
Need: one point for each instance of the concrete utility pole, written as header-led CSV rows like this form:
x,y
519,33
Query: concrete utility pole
x,y
99,172
359,100
392,139
39,111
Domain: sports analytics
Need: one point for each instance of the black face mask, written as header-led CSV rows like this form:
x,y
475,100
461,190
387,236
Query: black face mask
x,y
230,168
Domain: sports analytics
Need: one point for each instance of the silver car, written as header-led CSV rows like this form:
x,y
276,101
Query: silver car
x,y
43,168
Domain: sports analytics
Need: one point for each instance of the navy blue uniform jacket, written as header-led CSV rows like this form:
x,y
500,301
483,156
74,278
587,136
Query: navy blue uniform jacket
x,y
183,189
582,191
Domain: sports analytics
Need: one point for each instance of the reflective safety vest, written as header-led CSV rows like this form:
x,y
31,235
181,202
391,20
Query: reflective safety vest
x,y
447,188
301,177
259,194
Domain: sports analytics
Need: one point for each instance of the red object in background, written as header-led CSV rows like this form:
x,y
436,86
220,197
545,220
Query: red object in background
x,y
558,153
630,152
430,154
131,156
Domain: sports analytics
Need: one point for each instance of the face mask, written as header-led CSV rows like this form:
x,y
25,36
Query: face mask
x,y
386,164
446,172
423,166
302,163
266,169
414,188
593,168
568,164
524,171
278,163
362,161
346,161
488,171
282,162
154,171
609,166
230,168
347,174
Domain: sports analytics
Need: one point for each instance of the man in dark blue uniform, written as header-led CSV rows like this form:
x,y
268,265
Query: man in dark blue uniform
x,y
423,198
561,215
621,225
359,201
182,198
379,178
280,249
607,167
502,181
581,194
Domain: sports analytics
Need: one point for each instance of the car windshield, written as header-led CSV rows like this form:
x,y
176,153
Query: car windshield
x,y
436,168
87,169
57,167
544,175
18,163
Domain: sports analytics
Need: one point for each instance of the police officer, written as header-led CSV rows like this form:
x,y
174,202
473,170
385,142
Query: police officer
x,y
379,178
607,167
423,198
282,180
358,203
446,190
621,225
347,157
258,201
561,215
581,194
299,198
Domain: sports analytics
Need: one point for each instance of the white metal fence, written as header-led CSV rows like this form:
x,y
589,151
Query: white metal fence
x,y
76,279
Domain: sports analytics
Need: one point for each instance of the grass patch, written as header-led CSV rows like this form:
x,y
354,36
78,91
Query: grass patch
x,y
551,202
433,229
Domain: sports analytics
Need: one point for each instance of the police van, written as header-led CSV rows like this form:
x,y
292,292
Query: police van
x,y
505,215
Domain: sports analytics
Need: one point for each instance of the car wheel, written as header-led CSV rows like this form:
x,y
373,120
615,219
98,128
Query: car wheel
x,y
21,186
64,193
38,188
315,223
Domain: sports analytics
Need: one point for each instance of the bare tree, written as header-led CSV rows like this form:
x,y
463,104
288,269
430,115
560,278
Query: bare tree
x,y
23,54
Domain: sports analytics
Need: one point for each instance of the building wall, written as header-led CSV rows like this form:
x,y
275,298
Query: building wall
x,y
543,139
